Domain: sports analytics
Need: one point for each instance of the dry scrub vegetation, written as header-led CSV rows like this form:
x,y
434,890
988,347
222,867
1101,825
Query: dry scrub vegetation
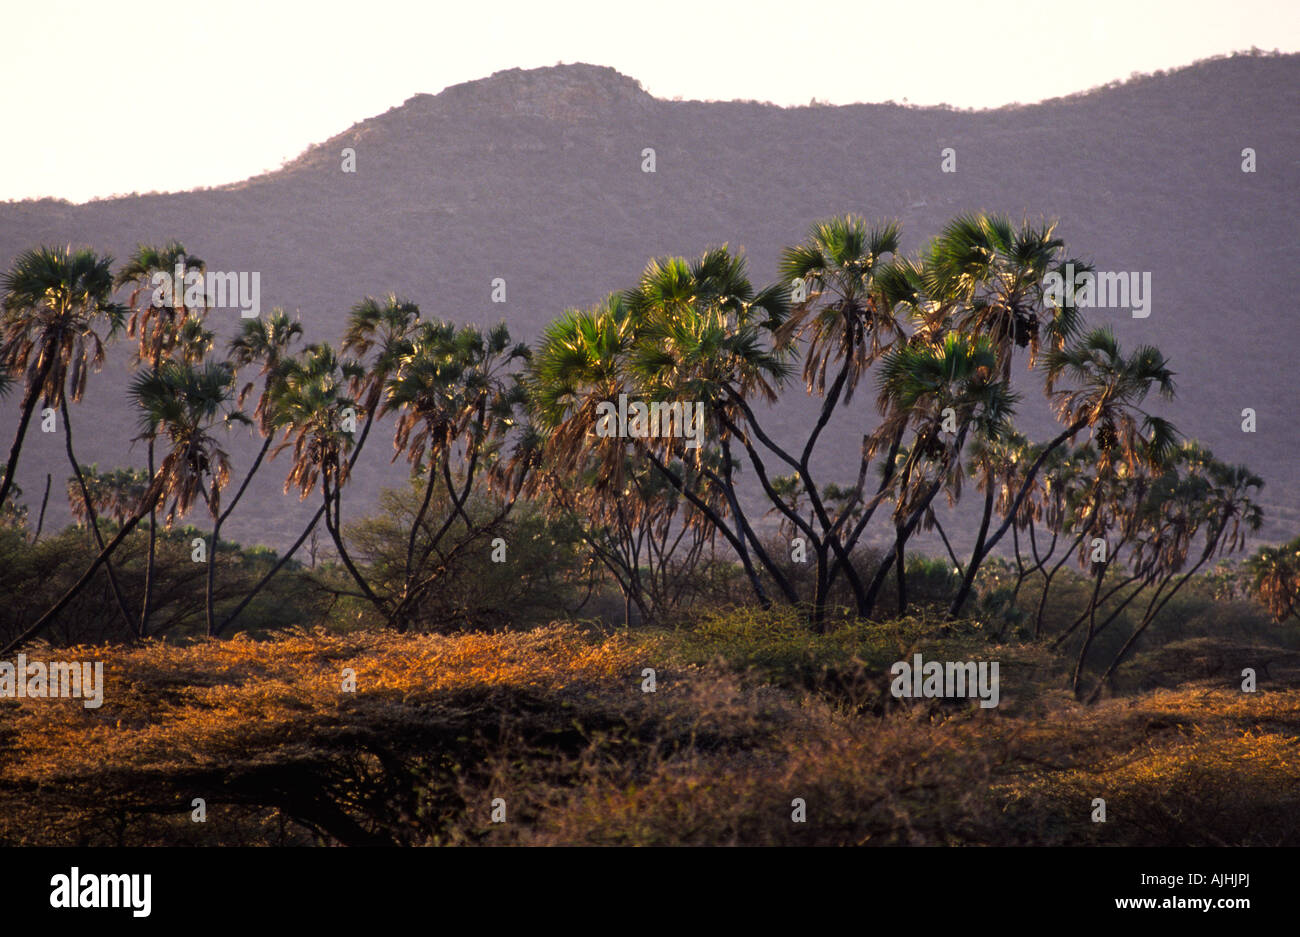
x,y
747,715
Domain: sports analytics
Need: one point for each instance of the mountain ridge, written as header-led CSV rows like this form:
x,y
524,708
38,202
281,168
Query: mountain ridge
x,y
535,176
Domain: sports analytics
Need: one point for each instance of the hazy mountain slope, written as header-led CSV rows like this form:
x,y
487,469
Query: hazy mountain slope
x,y
536,177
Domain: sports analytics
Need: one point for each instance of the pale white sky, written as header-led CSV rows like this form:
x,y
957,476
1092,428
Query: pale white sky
x,y
116,97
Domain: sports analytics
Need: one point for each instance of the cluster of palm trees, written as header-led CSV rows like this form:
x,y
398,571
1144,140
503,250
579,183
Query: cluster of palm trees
x,y
941,332
452,391
472,408
1275,578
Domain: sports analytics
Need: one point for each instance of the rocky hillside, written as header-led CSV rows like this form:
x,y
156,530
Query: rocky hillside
x,y
535,176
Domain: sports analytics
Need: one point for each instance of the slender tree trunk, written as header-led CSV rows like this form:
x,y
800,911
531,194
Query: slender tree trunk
x,y
307,531
150,553
866,602
210,581
823,583
408,576
1154,608
820,589
1042,600
30,396
968,581
1048,577
333,523
1021,570
270,574
1092,629
44,621
900,571
747,535
878,580
210,586
830,532
1083,616
952,554
40,522
737,544
92,518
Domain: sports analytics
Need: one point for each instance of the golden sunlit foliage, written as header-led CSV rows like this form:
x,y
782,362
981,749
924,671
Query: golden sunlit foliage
x,y
555,722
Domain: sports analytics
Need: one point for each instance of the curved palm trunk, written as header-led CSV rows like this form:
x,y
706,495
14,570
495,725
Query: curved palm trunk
x,y
32,394
1100,602
40,521
1021,570
866,600
900,570
952,554
980,555
216,538
302,538
878,581
397,615
333,525
271,573
1049,576
746,532
44,621
1092,629
150,554
831,531
1154,608
91,518
737,543
968,579
909,527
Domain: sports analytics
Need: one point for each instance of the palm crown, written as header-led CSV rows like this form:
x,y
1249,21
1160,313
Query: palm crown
x,y
55,300
184,404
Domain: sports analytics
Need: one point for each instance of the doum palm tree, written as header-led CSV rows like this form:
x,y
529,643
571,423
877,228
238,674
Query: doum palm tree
x,y
1275,579
265,342
453,391
1108,390
55,302
942,392
167,326
179,405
